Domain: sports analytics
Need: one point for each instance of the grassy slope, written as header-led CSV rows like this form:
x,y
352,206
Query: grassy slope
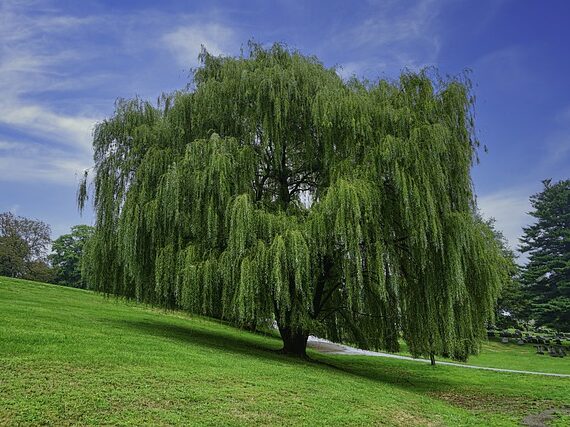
x,y
71,356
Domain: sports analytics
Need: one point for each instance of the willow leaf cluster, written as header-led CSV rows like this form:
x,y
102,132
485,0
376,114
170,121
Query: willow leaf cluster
x,y
274,190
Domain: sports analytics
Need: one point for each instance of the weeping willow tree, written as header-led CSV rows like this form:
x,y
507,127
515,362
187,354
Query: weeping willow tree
x,y
275,191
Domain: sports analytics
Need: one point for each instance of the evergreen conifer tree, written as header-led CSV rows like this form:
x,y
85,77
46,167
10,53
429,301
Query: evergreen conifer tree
x,y
546,277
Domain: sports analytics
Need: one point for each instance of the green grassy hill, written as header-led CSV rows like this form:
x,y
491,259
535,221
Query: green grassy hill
x,y
75,357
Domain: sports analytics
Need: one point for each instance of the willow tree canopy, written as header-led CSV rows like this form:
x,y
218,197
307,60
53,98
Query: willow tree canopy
x,y
273,190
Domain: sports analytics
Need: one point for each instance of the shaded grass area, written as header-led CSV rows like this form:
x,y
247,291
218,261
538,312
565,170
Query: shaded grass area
x,y
74,357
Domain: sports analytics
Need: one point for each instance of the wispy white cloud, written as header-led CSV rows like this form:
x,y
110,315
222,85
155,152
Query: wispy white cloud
x,y
185,42
33,61
392,25
510,209
52,169
32,162
392,37
46,129
44,70
506,67
39,121
563,116
556,153
357,68
556,147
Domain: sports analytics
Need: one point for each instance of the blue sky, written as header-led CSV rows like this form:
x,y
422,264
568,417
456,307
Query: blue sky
x,y
64,63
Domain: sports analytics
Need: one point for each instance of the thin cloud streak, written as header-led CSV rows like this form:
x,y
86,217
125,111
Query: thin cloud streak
x,y
32,162
510,209
32,62
392,38
38,121
186,42
38,63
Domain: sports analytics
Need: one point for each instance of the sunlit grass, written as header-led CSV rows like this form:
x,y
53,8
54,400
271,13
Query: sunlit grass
x,y
74,357
495,354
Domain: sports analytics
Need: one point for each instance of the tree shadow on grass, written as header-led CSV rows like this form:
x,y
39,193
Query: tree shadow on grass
x,y
238,341
439,382
265,347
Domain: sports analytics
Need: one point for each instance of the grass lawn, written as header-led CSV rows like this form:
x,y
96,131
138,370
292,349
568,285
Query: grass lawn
x,y
74,357
522,357
495,354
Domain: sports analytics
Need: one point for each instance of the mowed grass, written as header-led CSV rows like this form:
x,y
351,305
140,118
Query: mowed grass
x,y
75,357
495,354
521,357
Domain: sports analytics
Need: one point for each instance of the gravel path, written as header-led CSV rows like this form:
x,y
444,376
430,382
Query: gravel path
x,y
328,347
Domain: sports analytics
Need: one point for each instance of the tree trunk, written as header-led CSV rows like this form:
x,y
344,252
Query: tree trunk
x,y
294,341
432,359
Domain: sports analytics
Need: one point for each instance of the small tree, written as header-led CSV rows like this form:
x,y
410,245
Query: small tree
x,y
14,252
546,277
40,271
23,246
275,190
67,255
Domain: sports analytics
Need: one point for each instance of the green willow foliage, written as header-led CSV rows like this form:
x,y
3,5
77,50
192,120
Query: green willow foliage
x,y
275,191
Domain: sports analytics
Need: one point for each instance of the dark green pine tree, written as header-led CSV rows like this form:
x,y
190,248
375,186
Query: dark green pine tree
x,y
275,191
546,277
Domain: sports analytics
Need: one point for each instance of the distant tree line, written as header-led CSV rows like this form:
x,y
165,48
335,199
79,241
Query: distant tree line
x,y
25,251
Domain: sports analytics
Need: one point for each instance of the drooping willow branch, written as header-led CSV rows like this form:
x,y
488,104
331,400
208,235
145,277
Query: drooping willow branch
x,y
199,204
